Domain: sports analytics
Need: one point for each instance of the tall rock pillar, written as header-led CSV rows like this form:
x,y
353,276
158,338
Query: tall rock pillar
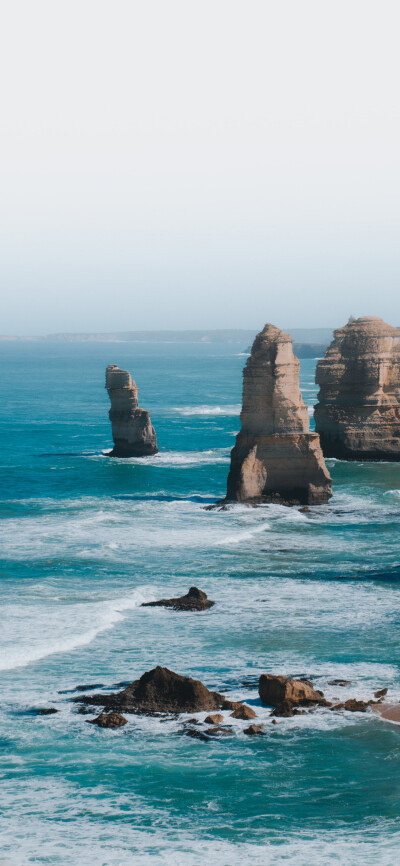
x,y
276,458
132,430
358,409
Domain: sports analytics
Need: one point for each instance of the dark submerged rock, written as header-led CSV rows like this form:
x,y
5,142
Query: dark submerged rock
x,y
218,732
47,711
339,683
195,599
196,735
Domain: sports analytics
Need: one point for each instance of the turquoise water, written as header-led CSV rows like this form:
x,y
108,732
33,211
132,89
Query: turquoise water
x,y
85,538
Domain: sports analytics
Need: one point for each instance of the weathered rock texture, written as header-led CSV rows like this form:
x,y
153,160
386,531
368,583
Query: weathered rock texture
x,y
276,458
358,413
195,599
275,689
132,430
158,691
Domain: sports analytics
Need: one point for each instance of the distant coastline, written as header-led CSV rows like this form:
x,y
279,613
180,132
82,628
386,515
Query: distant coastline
x,y
308,342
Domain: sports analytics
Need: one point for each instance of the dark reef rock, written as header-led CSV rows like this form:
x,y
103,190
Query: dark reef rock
x,y
132,430
195,599
218,732
196,735
47,711
254,730
276,458
108,720
339,683
358,411
353,706
381,693
158,691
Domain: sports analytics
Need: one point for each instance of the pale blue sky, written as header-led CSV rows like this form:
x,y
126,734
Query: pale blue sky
x,y
174,164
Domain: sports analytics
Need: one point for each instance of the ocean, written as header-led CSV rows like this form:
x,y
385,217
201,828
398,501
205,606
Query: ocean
x,y
86,538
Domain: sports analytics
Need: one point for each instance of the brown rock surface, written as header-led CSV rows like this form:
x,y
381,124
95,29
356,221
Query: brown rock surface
x,y
195,599
159,691
132,430
381,693
388,711
358,411
253,730
215,719
276,458
230,705
275,689
218,732
244,712
109,720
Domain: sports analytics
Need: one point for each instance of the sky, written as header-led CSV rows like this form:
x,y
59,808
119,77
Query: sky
x,y
183,164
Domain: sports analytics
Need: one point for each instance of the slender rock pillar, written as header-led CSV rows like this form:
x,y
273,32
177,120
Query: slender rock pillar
x,y
276,458
358,413
132,430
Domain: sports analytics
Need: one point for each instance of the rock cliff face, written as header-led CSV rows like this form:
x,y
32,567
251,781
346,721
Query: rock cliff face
x,y
132,430
276,458
358,413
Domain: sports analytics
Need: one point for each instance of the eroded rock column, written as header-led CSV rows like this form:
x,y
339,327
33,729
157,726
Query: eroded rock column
x,y
276,458
132,430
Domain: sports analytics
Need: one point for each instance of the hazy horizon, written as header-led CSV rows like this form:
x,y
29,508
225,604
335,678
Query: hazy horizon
x,y
183,166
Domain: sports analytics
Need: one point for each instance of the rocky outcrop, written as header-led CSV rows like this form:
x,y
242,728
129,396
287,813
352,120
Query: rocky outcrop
x,y
275,689
132,430
109,720
358,413
158,691
276,458
254,730
244,712
195,599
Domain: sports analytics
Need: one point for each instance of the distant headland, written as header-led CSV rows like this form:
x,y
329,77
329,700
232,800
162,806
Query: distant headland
x,y
308,342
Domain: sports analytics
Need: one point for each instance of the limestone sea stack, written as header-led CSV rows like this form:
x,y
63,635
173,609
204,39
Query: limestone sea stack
x,y
132,430
358,411
276,458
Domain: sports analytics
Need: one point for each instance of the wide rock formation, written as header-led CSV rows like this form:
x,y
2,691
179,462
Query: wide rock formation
x,y
158,691
358,413
195,599
276,458
132,430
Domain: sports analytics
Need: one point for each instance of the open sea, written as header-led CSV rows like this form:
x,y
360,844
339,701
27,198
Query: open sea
x,y
86,538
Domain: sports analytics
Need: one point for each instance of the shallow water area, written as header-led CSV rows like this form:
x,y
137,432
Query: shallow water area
x,y
85,539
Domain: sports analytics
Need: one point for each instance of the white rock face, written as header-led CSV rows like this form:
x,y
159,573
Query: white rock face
x,y
132,430
276,458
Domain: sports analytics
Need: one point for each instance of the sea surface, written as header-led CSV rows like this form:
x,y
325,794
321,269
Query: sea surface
x,y
86,538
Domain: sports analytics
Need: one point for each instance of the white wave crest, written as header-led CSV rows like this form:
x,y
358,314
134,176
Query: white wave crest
x,y
229,410
32,633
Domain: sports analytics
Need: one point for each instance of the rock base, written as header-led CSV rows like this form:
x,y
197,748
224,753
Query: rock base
x,y
284,468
